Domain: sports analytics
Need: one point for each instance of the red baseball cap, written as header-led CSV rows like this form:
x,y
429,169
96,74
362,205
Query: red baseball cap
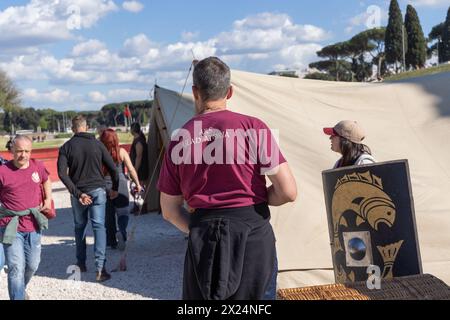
x,y
329,131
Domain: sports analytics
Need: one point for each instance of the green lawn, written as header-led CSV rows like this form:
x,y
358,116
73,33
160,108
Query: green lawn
x,y
3,141
124,138
419,73
48,144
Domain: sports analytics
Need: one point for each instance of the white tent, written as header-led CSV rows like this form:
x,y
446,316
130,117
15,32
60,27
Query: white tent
x,y
403,120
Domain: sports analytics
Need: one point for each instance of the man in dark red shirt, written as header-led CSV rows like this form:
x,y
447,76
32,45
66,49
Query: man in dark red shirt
x,y
21,182
218,164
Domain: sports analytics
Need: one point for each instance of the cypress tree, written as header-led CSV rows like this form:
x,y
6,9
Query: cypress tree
x,y
394,40
417,48
446,39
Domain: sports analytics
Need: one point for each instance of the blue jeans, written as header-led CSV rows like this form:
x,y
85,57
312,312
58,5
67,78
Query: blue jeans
x,y
96,213
22,258
2,257
271,291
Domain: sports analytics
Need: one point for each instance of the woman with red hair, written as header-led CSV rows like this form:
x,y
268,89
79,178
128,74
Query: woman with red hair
x,y
118,206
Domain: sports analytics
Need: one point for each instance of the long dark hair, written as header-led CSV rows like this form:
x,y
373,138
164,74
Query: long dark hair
x,y
136,128
351,151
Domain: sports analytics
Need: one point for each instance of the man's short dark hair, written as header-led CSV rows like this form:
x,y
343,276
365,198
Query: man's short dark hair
x,y
78,122
212,78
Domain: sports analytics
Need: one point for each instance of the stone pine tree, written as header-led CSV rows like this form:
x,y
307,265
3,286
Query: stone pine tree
x,y
416,54
446,39
435,36
394,37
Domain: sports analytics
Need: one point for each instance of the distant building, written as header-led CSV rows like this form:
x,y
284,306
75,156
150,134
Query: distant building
x,y
144,128
24,132
34,136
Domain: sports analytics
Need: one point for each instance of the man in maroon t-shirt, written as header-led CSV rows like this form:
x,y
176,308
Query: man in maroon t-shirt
x,y
218,164
21,182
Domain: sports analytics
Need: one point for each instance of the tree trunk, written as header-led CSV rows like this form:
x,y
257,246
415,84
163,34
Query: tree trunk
x,y
337,71
380,61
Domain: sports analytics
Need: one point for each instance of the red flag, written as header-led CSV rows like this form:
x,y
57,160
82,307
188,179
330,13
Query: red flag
x,y
127,112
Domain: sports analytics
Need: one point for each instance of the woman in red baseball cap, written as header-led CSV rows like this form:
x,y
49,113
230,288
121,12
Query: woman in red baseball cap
x,y
346,138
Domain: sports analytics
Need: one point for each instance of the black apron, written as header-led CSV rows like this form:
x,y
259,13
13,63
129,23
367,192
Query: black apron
x,y
231,254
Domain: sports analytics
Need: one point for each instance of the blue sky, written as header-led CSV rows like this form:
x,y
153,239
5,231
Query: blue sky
x,y
82,54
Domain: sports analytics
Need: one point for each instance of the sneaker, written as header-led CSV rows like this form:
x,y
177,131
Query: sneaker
x,y
82,267
102,276
120,241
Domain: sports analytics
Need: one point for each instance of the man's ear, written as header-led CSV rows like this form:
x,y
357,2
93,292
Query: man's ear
x,y
230,92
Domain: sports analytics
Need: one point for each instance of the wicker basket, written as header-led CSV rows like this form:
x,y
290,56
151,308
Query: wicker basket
x,y
417,287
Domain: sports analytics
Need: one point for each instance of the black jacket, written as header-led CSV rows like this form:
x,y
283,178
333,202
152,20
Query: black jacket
x,y
80,164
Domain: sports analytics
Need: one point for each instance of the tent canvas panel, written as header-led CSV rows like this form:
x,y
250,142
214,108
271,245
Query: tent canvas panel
x,y
406,120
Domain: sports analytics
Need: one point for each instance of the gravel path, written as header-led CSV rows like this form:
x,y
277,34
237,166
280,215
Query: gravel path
x,y
154,261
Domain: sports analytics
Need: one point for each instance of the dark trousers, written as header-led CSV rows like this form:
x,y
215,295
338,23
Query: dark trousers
x,y
231,255
110,224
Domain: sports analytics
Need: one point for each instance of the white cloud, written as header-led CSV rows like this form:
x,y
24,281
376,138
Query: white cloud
x,y
264,20
46,21
298,56
267,32
170,75
54,96
24,67
187,36
174,56
295,57
140,61
185,51
251,40
127,94
117,95
133,6
90,11
96,96
88,47
259,43
258,56
233,59
356,21
373,17
139,45
306,32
